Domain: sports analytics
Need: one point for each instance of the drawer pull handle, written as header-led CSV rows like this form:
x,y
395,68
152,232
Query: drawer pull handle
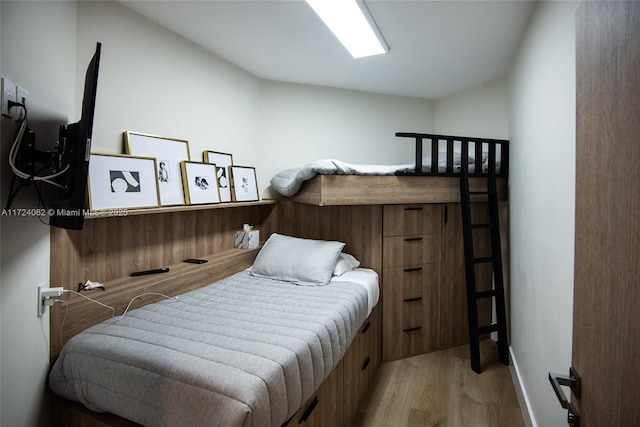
x,y
413,239
409,270
415,328
366,327
366,363
309,410
413,299
414,208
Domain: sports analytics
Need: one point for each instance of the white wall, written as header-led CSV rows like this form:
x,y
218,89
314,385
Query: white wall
x,y
299,124
480,111
43,62
542,203
156,82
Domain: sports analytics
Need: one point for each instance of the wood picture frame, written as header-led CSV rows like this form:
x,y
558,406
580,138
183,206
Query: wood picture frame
x,y
200,183
169,152
223,162
119,181
245,184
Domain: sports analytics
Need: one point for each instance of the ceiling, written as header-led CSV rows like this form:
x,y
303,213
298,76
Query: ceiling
x,y
437,48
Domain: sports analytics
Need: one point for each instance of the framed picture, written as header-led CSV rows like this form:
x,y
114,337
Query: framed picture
x,y
222,161
119,181
245,184
169,152
200,183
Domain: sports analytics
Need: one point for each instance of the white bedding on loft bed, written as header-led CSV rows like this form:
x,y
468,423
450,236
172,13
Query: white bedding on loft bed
x,y
289,181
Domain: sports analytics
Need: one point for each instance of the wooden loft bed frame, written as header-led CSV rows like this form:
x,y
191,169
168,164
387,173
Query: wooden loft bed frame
x,y
408,187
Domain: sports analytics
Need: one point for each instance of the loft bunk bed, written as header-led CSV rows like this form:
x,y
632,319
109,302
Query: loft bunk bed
x,y
439,159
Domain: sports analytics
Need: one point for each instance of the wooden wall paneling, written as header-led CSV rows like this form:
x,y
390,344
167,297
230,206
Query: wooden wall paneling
x,y
358,226
109,249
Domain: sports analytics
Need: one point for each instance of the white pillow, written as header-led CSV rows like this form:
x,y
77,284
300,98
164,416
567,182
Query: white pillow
x,y
300,261
344,264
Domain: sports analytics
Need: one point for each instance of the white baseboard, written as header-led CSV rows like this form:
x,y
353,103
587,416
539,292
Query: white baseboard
x,y
521,392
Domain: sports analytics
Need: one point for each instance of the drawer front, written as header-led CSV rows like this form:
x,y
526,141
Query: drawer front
x,y
399,220
325,407
410,305
408,250
360,365
409,295
411,281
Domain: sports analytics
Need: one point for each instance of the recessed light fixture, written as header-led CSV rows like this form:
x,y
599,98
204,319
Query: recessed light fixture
x,y
351,22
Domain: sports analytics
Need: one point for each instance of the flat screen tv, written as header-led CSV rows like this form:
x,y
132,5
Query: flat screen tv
x,y
74,151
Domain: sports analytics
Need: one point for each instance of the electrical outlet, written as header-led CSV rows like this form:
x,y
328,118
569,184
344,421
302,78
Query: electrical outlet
x,y
8,94
21,97
46,297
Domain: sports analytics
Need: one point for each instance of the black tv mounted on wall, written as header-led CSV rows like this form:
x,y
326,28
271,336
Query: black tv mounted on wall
x,y
65,168
73,155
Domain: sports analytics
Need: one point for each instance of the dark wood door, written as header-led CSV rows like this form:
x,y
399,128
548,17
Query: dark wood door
x,y
606,328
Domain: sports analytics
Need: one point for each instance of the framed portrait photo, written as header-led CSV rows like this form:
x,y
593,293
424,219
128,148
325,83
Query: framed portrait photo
x,y
200,183
245,184
169,152
222,161
119,181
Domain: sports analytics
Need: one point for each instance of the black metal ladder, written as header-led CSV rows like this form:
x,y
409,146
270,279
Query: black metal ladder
x,y
473,295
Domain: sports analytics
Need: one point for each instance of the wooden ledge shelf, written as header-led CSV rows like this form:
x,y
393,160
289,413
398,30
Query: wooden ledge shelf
x,y
110,213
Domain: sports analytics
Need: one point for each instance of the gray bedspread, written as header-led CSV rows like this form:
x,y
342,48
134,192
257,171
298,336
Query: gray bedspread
x,y
244,351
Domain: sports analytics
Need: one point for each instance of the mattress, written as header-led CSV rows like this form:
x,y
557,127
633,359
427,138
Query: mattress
x,y
289,181
244,351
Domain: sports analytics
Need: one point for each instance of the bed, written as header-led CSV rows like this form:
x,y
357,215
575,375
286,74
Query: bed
x,y
247,350
439,157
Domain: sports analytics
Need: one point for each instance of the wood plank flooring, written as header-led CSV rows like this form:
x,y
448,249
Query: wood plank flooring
x,y
440,389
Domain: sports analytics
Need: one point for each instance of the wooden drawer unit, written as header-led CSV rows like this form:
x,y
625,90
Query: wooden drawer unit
x,y
410,311
360,364
336,401
411,276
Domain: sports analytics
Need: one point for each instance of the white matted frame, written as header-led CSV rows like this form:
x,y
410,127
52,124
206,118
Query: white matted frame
x,y
200,183
223,162
169,152
245,184
117,181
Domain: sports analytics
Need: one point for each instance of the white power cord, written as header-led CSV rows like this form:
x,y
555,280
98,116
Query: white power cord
x,y
113,310
13,156
141,295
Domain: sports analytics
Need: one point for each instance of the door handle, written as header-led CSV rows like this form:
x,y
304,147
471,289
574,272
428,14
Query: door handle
x,y
574,382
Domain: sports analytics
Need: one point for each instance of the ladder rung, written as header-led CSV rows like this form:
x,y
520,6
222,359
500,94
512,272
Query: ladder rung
x,y
487,294
484,259
483,226
494,327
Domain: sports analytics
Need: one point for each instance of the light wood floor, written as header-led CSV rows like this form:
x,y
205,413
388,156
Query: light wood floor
x,y
440,389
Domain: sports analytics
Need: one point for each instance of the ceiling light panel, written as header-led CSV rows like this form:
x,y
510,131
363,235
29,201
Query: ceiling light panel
x,y
348,22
